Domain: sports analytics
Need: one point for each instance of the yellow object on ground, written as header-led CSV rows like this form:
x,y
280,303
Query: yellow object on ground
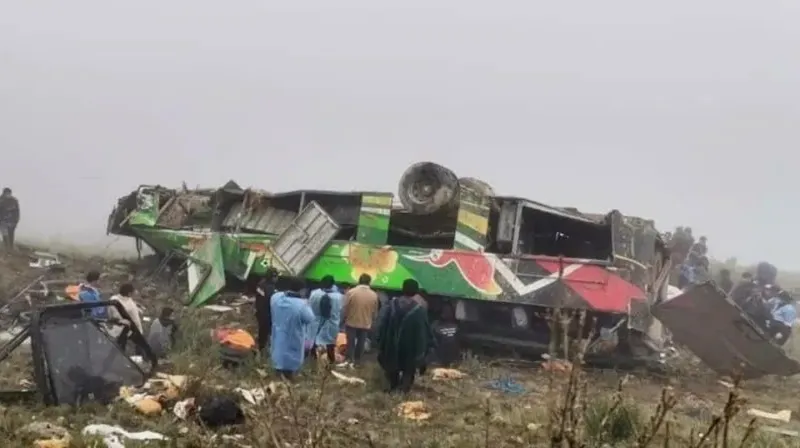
x,y
148,406
413,410
52,443
442,373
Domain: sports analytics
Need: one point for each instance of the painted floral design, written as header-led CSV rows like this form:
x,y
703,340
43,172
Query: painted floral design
x,y
370,260
474,268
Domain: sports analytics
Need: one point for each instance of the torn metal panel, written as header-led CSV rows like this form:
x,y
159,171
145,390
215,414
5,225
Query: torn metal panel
x,y
267,220
183,209
206,271
716,330
305,239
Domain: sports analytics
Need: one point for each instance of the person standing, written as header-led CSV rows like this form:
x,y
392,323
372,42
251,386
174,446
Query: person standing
x,y
725,281
291,316
358,311
326,304
403,339
9,218
89,293
447,348
264,292
120,328
163,333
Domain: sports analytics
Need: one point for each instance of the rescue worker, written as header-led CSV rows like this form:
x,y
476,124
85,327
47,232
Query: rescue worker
x,y
782,316
291,316
326,304
9,218
403,339
89,293
358,312
264,292
724,281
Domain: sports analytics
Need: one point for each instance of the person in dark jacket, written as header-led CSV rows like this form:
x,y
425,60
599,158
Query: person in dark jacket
x,y
264,292
447,348
163,333
9,218
725,282
403,338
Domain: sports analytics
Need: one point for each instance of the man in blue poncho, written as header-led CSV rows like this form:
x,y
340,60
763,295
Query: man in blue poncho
x,y
88,292
290,317
326,303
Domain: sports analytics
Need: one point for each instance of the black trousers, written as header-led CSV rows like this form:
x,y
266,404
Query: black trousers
x,y
401,380
264,333
287,375
8,237
330,352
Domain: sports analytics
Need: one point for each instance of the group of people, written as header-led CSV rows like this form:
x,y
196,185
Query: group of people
x,y
690,256
770,306
293,325
160,335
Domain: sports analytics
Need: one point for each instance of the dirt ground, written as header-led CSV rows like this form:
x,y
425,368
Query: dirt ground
x,y
497,403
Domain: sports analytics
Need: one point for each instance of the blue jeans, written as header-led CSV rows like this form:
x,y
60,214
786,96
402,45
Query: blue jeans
x,y
355,343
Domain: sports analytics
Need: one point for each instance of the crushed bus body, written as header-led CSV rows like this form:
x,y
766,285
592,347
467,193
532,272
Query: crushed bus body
x,y
503,262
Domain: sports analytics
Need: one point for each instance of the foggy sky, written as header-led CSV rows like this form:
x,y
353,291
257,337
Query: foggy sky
x,y
686,112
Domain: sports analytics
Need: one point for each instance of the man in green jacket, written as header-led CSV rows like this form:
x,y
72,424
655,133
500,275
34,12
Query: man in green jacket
x,y
403,338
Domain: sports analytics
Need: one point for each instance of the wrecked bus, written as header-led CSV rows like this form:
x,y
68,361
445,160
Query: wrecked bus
x,y
501,261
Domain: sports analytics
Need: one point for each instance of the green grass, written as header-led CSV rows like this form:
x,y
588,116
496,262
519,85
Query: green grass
x,y
582,409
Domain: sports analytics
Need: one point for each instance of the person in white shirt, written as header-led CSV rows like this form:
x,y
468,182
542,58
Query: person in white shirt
x,y
119,327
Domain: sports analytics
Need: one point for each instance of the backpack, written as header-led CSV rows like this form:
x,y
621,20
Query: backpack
x,y
325,306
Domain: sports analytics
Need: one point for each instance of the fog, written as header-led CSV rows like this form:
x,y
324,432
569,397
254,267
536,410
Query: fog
x,y
683,112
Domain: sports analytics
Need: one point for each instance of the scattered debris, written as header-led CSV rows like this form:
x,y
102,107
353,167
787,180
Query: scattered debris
x,y
442,373
114,436
253,396
45,260
506,385
413,410
218,411
782,416
184,408
48,435
557,366
151,397
219,308
347,379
